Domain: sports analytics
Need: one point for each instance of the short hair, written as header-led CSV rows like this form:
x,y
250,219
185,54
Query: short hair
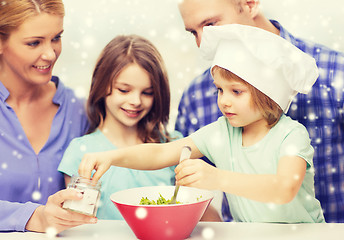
x,y
270,110
117,54
13,13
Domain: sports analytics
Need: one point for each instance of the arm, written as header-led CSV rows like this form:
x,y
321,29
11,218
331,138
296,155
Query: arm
x,y
278,188
14,215
211,215
35,217
147,156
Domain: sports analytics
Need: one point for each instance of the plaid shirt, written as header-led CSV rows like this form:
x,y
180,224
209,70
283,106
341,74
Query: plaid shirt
x,y
321,111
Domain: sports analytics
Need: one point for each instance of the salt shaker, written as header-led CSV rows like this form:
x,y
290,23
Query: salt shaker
x,y
88,205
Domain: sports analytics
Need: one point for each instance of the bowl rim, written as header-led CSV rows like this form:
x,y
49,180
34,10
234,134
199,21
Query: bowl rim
x,y
210,196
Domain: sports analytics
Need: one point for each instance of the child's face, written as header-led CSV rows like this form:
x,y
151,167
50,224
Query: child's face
x,y
235,102
131,98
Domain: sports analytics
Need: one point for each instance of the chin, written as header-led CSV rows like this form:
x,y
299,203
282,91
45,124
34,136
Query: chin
x,y
234,124
43,79
129,123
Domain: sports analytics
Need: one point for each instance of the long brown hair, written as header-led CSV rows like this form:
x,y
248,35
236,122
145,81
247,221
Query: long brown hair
x,y
117,54
13,13
270,110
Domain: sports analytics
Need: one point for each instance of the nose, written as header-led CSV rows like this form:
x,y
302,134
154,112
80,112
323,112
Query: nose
x,y
135,99
49,53
198,38
224,100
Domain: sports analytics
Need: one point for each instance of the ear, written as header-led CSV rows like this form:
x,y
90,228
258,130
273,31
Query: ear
x,y
253,6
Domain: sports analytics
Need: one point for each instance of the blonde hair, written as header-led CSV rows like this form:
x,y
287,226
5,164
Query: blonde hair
x,y
270,110
13,13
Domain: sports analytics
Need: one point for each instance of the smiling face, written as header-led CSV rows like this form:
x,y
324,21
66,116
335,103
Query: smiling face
x,y
197,14
235,102
29,54
131,98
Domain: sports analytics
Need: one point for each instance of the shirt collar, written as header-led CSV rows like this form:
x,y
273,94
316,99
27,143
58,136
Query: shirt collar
x,y
284,33
58,98
4,93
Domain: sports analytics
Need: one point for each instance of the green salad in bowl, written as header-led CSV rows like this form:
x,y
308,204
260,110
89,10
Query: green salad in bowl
x,y
160,201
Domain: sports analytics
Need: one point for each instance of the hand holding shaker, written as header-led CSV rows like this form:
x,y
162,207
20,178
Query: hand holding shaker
x,y
88,205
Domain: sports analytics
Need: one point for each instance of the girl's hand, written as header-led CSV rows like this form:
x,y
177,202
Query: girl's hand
x,y
197,173
53,216
99,161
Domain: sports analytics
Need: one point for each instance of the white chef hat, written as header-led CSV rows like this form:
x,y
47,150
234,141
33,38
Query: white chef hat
x,y
265,60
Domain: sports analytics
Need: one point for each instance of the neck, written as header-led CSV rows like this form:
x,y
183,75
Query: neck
x,y
23,95
253,133
119,135
262,22
20,91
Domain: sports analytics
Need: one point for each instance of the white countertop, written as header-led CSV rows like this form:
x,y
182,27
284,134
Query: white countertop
x,y
115,229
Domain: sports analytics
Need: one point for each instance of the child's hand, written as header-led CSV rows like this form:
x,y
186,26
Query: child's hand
x,y
197,173
99,161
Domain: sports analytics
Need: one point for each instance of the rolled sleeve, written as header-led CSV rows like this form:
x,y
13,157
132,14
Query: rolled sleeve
x,y
14,216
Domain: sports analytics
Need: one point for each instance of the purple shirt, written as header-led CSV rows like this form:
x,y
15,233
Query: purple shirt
x,y
27,179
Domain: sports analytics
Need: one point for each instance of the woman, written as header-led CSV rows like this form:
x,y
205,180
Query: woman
x,y
38,118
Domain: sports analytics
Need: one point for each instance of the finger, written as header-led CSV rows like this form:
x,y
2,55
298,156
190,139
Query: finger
x,y
61,216
69,218
97,175
183,164
100,170
61,225
185,170
86,166
187,181
66,194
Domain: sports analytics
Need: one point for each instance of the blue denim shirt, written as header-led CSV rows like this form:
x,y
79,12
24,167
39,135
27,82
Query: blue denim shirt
x,y
27,179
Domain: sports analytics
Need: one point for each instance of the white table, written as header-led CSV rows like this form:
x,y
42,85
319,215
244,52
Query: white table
x,y
115,229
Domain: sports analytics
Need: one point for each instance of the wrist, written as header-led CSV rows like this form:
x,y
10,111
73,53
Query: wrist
x,y
37,221
113,157
222,178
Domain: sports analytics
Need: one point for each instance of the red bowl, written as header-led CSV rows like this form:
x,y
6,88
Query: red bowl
x,y
175,221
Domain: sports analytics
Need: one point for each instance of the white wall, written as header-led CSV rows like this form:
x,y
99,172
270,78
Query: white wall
x,y
90,25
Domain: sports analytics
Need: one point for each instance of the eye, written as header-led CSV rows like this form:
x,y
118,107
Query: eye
x,y
34,43
122,90
148,93
210,24
219,90
57,38
194,33
236,91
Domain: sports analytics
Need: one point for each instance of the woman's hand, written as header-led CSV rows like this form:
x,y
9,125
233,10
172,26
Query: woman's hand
x,y
197,173
53,216
99,161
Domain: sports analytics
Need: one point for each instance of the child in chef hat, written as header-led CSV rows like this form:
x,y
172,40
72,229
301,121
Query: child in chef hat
x,y
263,158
